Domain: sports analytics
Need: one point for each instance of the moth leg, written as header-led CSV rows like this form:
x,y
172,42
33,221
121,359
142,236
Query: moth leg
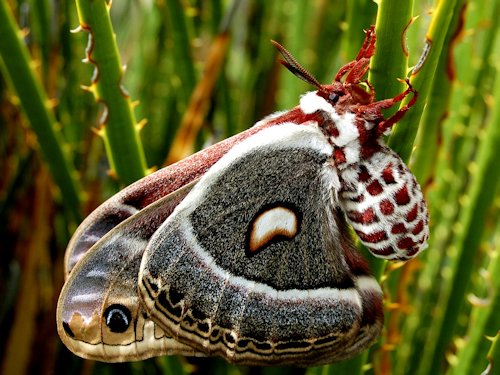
x,y
387,124
368,48
374,110
358,67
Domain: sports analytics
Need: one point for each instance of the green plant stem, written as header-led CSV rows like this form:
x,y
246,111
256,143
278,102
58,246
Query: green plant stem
x,y
493,355
16,66
484,321
359,16
177,17
422,79
431,126
424,167
390,61
118,126
481,194
298,30
40,25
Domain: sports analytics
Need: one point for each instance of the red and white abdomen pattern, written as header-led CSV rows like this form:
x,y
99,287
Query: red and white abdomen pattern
x,y
384,204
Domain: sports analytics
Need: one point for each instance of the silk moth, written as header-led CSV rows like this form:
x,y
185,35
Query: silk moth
x,y
243,250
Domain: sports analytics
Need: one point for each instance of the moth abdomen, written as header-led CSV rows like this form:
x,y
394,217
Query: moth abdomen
x,y
384,204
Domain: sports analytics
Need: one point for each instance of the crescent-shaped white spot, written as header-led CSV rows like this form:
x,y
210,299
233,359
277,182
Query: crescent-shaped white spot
x,y
276,221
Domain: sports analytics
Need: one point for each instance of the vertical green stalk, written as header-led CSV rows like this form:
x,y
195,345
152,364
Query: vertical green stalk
x,y
414,331
16,65
359,16
181,42
484,319
297,33
446,272
391,58
481,194
493,355
431,125
422,77
40,15
118,126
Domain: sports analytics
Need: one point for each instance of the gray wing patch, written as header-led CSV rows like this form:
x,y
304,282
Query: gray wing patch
x,y
294,296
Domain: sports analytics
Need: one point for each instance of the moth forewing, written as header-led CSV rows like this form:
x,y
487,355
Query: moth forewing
x,y
142,193
99,314
305,298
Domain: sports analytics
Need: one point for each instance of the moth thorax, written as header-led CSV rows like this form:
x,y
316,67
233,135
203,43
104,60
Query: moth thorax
x,y
347,156
384,204
352,139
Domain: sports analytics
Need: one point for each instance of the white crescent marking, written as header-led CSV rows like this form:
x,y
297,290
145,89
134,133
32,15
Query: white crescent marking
x,y
271,223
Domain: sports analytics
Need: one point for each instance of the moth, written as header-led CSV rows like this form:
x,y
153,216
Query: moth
x,y
244,250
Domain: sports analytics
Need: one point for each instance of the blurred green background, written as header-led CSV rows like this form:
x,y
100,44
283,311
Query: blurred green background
x,y
199,71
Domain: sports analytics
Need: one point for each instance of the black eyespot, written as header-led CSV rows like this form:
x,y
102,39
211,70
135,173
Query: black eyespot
x,y
117,318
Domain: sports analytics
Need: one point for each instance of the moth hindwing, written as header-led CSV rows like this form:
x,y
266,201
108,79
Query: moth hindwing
x,y
249,255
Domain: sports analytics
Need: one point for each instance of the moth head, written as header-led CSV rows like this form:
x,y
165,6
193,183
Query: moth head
x,y
346,109
348,89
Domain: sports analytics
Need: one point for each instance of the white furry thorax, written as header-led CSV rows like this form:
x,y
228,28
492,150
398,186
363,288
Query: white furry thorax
x,y
348,133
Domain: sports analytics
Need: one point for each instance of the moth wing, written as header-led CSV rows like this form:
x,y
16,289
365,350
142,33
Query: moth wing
x,y
121,207
256,263
149,189
99,314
